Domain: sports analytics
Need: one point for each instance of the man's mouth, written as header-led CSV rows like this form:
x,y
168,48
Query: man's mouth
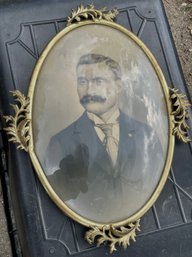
x,y
95,98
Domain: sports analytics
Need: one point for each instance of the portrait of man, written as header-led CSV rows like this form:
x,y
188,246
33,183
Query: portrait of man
x,y
101,153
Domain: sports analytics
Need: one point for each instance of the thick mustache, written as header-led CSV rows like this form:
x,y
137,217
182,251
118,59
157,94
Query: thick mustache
x,y
92,98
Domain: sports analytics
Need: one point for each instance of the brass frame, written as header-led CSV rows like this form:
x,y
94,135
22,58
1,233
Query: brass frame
x,y
21,129
165,90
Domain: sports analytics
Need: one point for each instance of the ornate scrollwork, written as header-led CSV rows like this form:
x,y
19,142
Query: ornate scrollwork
x,y
89,12
120,236
180,112
18,130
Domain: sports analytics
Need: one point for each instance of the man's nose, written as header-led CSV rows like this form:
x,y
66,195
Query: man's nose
x,y
91,90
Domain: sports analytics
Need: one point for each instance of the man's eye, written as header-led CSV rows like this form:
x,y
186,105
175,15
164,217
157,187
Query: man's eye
x,y
82,82
99,81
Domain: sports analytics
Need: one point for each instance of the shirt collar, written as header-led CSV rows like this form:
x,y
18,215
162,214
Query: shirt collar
x,y
112,119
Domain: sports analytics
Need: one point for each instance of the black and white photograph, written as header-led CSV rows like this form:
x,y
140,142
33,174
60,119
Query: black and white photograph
x,y
100,123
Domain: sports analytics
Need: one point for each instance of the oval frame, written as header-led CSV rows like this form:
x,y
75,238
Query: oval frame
x,y
171,139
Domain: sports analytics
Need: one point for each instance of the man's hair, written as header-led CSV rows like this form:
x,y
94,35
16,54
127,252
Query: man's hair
x,y
97,58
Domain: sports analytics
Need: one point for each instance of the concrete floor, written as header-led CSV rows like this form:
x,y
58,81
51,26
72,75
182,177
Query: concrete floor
x,y
5,248
172,6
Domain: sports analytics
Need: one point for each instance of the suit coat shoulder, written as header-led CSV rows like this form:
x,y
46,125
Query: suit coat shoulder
x,y
60,145
133,125
71,131
66,132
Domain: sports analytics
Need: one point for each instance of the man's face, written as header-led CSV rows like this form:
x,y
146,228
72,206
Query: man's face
x,y
97,88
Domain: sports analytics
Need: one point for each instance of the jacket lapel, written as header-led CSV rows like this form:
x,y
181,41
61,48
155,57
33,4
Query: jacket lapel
x,y
85,134
127,149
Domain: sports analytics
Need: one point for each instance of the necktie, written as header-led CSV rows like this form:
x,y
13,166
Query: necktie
x,y
109,141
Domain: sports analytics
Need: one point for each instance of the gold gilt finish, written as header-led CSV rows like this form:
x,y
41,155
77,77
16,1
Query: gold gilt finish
x,y
180,113
41,174
89,12
122,231
18,130
120,236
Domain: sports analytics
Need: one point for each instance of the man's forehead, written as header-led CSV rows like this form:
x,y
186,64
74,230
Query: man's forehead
x,y
94,68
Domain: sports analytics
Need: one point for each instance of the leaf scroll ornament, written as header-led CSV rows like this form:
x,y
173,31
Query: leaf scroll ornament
x,y
89,12
180,112
18,126
120,236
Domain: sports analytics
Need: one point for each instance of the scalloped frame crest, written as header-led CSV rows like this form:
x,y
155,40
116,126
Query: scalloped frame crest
x,y
180,113
89,12
18,130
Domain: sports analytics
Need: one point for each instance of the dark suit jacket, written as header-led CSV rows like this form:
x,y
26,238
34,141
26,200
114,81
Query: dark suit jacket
x,y
85,167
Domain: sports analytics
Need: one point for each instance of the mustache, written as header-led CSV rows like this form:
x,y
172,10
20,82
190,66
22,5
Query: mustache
x,y
92,98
